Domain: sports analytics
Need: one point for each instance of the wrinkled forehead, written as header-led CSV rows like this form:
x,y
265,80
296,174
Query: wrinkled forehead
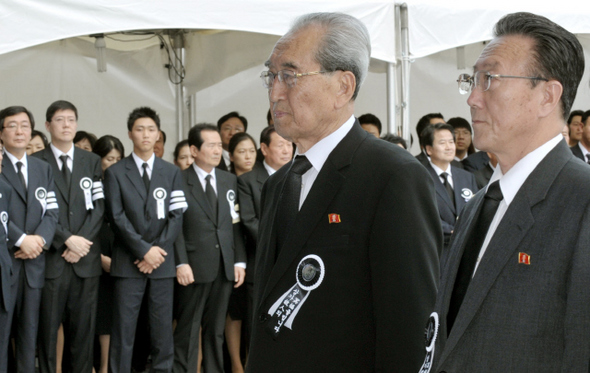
x,y
297,50
505,52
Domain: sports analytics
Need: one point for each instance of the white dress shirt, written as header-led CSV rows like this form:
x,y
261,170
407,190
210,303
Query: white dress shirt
x,y
439,172
139,163
58,153
318,154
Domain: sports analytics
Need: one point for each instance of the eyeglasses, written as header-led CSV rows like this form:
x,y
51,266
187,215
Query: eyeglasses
x,y
285,76
13,126
483,80
62,120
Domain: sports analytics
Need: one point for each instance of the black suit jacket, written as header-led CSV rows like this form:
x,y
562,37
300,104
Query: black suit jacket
x,y
519,317
369,312
464,188
476,161
202,240
30,213
74,218
134,217
5,262
578,152
250,190
483,176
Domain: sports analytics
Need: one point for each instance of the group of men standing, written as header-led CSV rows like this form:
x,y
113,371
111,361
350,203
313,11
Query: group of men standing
x,y
349,261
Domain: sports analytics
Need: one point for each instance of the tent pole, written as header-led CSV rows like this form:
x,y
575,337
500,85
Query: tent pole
x,y
179,65
405,48
391,98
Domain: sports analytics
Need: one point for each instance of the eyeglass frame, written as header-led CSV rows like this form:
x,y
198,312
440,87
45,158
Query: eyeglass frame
x,y
281,80
463,78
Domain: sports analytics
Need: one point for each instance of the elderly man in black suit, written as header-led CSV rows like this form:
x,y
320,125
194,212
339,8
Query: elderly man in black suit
x,y
145,203
72,267
340,285
454,186
211,254
514,293
33,213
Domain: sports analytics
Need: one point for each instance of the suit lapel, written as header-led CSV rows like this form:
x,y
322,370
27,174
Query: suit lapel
x,y
515,224
135,178
441,191
198,193
324,190
77,173
57,174
12,178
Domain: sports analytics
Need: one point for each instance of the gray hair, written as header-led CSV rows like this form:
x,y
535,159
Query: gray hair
x,y
346,44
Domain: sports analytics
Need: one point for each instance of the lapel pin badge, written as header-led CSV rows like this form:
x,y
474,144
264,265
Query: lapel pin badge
x,y
334,218
524,258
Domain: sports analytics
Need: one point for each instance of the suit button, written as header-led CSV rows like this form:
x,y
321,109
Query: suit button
x,y
71,213
263,317
217,246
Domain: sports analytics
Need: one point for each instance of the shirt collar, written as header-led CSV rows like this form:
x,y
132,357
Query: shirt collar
x,y
139,162
439,170
318,153
202,174
511,182
57,153
13,159
269,169
583,149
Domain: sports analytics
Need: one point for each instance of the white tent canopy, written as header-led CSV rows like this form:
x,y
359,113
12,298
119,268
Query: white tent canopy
x,y
45,54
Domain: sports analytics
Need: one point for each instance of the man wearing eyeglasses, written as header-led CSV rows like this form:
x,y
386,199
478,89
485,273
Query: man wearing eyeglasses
x,y
348,242
33,213
514,293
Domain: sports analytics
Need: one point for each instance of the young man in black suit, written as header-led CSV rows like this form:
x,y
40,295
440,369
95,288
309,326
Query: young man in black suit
x,y
211,254
340,285
72,267
145,203
454,186
33,212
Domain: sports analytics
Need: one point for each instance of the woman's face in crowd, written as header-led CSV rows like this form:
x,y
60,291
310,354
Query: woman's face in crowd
x,y
110,159
184,159
244,156
35,145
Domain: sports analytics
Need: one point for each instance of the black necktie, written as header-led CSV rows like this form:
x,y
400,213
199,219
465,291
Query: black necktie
x,y
472,248
211,196
289,200
65,171
21,176
146,177
448,187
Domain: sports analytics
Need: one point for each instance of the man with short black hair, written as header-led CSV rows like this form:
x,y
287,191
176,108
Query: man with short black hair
x,y
211,254
159,146
228,125
371,124
33,213
145,202
454,186
72,267
582,148
514,293
575,126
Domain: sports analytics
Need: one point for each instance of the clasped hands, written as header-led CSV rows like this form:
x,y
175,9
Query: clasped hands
x,y
151,260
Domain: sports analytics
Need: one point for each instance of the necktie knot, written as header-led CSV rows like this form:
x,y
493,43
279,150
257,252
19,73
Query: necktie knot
x,y
19,165
145,167
300,165
494,192
444,175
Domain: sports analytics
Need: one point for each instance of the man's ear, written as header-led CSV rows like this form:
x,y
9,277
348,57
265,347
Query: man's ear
x,y
346,87
428,150
552,92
